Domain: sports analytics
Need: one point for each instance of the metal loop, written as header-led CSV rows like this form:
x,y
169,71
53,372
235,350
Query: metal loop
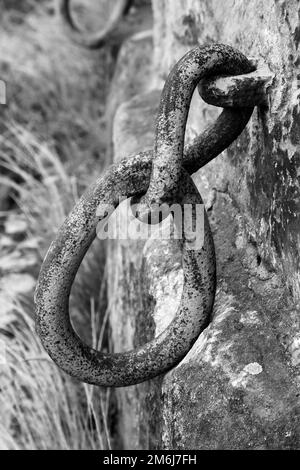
x,y
198,64
63,260
99,39
130,178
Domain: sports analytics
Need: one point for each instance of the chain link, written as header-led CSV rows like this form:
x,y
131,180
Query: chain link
x,y
198,65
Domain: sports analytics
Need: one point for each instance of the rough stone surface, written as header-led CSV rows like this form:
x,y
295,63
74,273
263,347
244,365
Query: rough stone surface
x,y
238,388
130,114
262,168
131,77
133,129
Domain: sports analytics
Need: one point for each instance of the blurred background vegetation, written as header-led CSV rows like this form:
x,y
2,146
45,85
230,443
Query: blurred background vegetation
x,y
52,145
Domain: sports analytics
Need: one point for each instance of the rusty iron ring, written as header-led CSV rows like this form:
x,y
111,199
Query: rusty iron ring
x,y
130,177
95,40
51,298
199,63
63,260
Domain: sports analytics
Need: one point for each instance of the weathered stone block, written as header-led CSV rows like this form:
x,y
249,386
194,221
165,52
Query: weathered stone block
x,y
238,388
131,77
262,167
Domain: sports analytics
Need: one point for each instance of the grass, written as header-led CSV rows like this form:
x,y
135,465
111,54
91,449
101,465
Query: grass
x,y
41,407
45,192
52,144
54,89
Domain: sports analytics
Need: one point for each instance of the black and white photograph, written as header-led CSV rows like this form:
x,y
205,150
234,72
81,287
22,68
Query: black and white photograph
x,y
149,228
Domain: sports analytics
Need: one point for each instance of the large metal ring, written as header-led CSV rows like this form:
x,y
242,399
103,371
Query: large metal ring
x,y
95,40
63,259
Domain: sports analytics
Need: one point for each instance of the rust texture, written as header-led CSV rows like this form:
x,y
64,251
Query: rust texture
x,y
238,90
127,179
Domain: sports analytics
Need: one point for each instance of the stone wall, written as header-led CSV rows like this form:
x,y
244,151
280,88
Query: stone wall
x,y
262,169
238,388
